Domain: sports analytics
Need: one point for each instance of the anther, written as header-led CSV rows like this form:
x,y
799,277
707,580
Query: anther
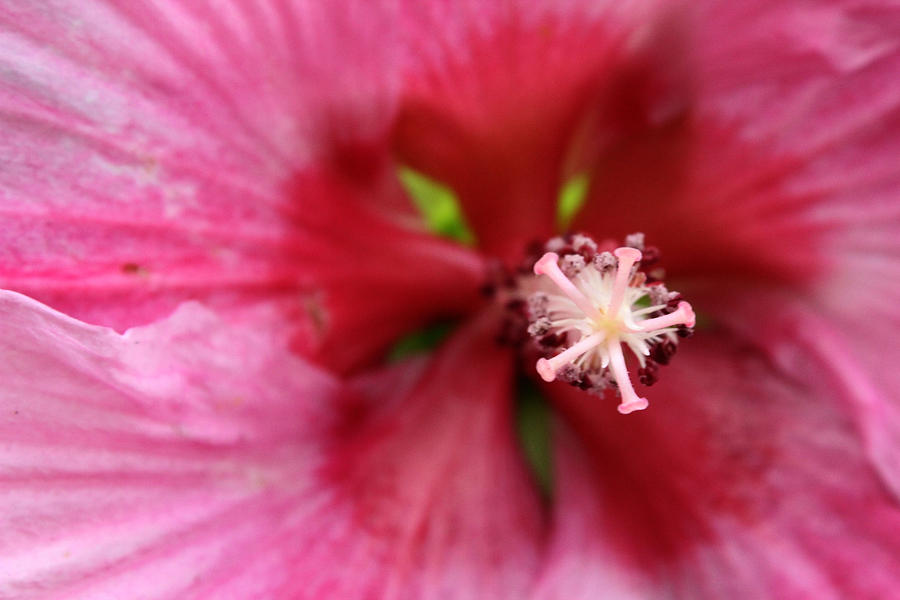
x,y
539,327
605,262
659,294
663,352
649,373
635,240
572,265
584,246
537,305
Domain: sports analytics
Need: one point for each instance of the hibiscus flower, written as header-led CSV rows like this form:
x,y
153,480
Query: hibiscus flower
x,y
207,256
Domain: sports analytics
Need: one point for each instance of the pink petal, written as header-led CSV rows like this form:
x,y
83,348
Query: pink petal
x,y
852,346
782,146
232,154
861,360
437,478
151,154
172,461
193,459
365,279
592,552
492,100
743,481
773,193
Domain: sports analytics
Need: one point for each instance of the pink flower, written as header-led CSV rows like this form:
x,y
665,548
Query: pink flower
x,y
207,253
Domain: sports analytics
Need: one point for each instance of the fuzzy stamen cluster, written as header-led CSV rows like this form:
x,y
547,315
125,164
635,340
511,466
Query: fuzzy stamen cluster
x,y
597,303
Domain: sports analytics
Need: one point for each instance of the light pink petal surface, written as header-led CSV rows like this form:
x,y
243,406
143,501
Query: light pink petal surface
x,y
744,480
156,153
191,459
861,360
852,347
133,179
172,462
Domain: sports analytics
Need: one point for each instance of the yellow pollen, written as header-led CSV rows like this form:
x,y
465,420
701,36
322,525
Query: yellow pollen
x,y
611,326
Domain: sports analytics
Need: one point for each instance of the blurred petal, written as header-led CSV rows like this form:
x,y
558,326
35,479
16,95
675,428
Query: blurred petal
x,y
743,481
434,476
365,280
853,351
233,154
192,459
593,553
861,366
175,459
826,98
478,114
773,193
149,150
781,154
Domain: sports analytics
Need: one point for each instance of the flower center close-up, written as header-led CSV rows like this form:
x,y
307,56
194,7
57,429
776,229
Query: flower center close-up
x,y
595,310
370,299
